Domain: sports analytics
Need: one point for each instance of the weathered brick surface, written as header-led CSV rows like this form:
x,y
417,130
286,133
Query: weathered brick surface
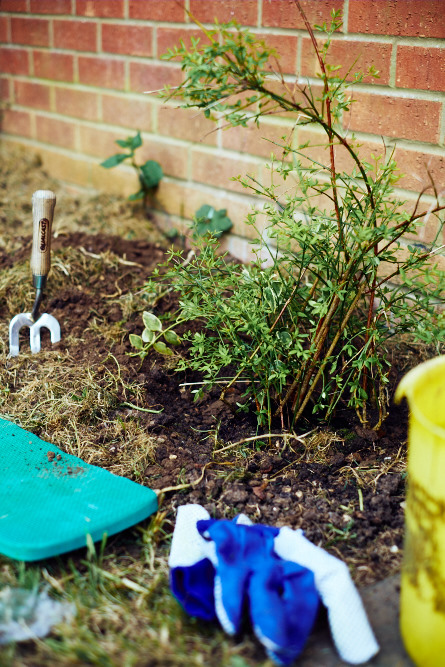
x,y
101,72
429,70
218,170
186,124
76,35
77,103
284,13
50,6
16,122
14,6
169,37
405,118
56,66
223,11
134,114
103,8
410,18
74,74
34,95
132,40
14,61
167,10
358,55
34,32
55,131
4,23
150,76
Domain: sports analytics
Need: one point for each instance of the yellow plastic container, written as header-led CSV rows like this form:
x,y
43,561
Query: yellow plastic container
x,y
422,601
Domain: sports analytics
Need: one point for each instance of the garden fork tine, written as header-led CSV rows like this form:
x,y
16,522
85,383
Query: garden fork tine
x,y
43,203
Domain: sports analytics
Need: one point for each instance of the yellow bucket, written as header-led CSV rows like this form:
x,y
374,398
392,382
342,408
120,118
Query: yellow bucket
x,y
422,600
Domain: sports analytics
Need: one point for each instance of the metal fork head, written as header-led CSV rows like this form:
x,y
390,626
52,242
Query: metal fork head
x,y
25,320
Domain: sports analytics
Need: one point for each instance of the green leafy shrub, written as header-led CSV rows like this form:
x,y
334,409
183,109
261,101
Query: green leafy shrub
x,y
149,174
310,327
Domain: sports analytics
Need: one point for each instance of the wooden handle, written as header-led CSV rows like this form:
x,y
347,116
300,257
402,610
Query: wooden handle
x,y
43,203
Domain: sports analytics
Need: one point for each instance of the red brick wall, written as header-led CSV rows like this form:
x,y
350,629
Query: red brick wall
x,y
73,75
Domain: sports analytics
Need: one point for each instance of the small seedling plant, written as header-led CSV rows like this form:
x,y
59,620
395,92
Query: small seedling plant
x,y
310,327
149,173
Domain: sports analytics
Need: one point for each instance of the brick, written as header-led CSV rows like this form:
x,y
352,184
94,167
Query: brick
x,y
404,118
14,61
67,168
121,180
346,53
218,169
158,10
153,76
5,90
187,124
54,66
76,35
54,131
409,18
4,23
257,140
172,156
16,122
132,40
35,95
223,11
14,6
318,150
285,14
126,111
103,72
77,103
429,71
167,38
109,9
286,49
99,142
34,32
415,166
50,7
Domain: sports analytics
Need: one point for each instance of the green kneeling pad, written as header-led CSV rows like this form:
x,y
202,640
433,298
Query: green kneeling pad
x,y
50,501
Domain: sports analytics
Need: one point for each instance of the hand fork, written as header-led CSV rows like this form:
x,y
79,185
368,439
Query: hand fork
x,y
43,203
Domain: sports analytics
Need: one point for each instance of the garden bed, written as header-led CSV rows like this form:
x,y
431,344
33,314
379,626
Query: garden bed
x,y
342,484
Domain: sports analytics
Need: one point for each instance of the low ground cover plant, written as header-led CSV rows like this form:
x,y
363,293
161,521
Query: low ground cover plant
x,y
308,328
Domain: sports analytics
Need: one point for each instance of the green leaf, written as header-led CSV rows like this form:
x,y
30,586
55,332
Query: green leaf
x,y
162,348
151,322
136,341
210,221
172,338
150,174
148,336
137,195
130,142
114,160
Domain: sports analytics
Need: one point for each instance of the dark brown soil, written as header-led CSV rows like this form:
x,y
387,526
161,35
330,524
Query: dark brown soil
x,y
345,486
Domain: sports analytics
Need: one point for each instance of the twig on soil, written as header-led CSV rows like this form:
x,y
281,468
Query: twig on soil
x,y
136,407
299,438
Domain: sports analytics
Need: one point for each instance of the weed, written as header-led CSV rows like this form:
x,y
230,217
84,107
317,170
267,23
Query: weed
x,y
149,174
310,327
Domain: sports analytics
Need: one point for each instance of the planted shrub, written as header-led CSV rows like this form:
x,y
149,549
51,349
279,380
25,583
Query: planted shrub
x,y
308,328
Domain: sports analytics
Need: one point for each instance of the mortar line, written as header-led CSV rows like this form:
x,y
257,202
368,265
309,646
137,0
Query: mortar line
x,y
259,13
345,17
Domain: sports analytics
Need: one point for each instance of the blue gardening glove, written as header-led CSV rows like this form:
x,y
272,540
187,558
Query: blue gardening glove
x,y
281,597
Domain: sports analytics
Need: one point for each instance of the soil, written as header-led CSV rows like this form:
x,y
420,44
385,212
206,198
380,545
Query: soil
x,y
344,485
